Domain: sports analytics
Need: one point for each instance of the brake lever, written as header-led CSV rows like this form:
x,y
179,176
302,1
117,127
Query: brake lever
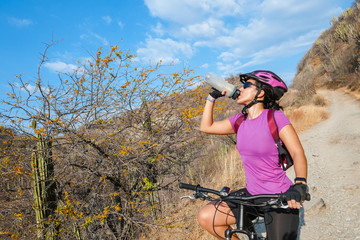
x,y
277,202
191,197
282,205
200,195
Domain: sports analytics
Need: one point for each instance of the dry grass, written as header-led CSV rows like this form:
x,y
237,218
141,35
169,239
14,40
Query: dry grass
x,y
302,118
355,94
229,170
306,116
319,100
180,225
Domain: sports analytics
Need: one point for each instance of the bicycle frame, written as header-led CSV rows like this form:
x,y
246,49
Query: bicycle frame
x,y
239,226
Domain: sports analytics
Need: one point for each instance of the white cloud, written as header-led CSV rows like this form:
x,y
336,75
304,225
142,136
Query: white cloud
x,y
103,40
61,67
193,11
229,63
174,11
158,29
229,68
244,32
84,60
206,65
120,24
31,88
304,9
209,28
167,50
20,22
107,19
284,49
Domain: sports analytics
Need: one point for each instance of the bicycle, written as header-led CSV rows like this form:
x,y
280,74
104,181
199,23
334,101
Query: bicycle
x,y
274,200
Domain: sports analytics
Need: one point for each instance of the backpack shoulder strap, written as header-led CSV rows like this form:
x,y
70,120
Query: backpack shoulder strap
x,y
238,123
272,124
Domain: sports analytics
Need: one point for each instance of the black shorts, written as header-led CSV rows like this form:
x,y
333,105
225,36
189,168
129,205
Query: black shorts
x,y
280,223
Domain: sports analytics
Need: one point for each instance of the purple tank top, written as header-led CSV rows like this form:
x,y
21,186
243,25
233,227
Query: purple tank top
x,y
260,155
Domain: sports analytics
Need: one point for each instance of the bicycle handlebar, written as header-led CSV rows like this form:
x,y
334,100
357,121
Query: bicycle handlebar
x,y
198,188
264,200
225,195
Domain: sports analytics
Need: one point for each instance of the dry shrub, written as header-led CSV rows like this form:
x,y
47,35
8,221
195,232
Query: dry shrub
x,y
354,80
353,93
289,98
306,116
319,100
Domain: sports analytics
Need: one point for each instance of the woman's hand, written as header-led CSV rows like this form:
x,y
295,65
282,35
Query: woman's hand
x,y
214,93
296,195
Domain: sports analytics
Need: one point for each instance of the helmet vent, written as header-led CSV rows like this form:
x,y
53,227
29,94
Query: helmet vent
x,y
263,76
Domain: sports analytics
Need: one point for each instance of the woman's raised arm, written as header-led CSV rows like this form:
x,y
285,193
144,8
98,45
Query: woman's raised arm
x,y
208,125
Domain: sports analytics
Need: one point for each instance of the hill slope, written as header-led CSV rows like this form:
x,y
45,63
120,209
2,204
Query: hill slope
x,y
334,59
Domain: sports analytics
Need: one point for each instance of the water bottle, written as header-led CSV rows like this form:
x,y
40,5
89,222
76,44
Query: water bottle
x,y
221,85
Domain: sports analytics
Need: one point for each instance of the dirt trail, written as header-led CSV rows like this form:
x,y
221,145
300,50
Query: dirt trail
x,y
333,152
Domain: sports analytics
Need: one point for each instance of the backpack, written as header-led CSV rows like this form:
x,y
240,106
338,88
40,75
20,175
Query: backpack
x,y
285,159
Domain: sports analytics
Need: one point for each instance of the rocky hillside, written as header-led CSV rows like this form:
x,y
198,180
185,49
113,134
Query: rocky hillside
x,y
334,59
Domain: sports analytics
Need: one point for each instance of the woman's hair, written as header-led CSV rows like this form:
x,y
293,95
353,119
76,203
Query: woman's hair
x,y
269,101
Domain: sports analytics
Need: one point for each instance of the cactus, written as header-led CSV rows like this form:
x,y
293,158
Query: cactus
x,y
44,186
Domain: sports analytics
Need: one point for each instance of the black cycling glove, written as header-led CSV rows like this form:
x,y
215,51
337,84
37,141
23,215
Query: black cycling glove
x,y
215,93
298,192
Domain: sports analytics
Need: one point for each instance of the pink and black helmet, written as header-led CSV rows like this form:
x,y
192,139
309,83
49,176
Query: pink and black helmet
x,y
268,78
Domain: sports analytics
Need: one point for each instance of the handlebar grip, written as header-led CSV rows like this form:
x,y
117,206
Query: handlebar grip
x,y
283,197
188,186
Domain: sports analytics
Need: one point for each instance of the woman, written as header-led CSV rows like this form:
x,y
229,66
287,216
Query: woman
x,y
260,92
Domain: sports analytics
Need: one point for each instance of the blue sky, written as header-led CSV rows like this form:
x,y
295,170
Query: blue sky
x,y
221,36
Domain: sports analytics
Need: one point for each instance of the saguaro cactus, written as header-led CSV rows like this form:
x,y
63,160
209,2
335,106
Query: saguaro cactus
x,y
44,186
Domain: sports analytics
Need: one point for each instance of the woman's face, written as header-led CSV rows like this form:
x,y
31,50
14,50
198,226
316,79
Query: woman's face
x,y
248,93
